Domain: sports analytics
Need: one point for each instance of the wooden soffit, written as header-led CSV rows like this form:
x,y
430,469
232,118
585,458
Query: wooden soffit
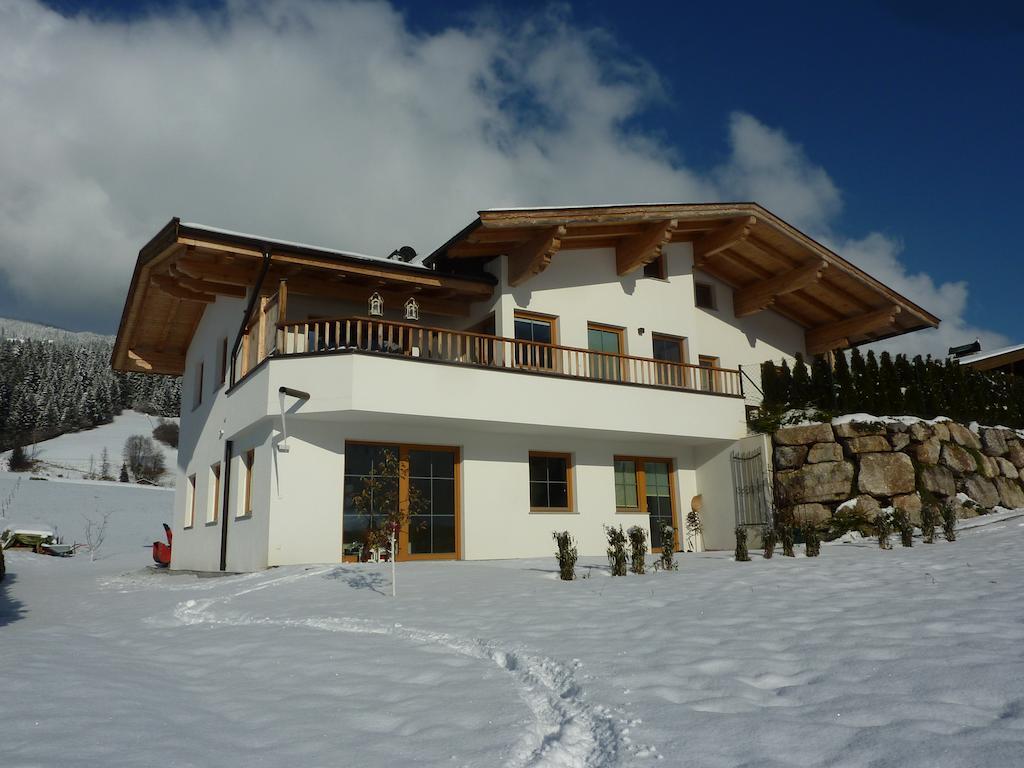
x,y
767,262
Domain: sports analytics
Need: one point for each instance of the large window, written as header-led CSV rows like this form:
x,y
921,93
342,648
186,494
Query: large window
x,y
190,503
248,462
607,340
535,333
644,486
550,482
672,351
215,501
423,479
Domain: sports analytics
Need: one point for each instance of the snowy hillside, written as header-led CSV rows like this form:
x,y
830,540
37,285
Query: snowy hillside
x,y
862,657
69,455
22,329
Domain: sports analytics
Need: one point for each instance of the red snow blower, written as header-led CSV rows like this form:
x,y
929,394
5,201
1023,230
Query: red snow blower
x,y
161,551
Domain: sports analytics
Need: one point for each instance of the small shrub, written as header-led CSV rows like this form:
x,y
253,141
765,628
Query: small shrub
x,y
901,520
667,561
694,526
844,520
928,518
786,536
742,555
20,461
637,549
166,432
566,555
769,537
948,512
883,525
616,550
812,538
124,473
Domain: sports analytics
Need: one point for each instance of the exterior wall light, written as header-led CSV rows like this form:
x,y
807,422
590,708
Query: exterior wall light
x,y
376,305
412,309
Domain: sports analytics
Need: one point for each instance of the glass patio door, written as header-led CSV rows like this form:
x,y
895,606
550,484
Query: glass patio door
x,y
658,495
608,341
432,503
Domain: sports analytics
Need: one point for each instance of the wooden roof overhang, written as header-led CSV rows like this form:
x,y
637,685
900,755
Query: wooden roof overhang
x,y
186,266
767,262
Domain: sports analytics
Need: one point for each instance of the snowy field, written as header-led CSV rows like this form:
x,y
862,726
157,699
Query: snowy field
x,y
69,454
859,658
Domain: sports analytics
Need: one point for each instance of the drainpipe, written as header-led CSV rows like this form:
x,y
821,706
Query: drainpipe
x,y
224,508
249,308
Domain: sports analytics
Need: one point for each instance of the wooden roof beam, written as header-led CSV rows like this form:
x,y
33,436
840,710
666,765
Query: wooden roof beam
x,y
207,286
152,361
836,335
638,250
172,287
720,239
761,295
532,257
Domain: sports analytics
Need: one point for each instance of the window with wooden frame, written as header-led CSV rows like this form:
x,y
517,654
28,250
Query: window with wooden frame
x,y
709,374
645,486
190,502
704,296
197,386
609,342
535,334
657,268
222,362
550,482
248,461
215,501
671,350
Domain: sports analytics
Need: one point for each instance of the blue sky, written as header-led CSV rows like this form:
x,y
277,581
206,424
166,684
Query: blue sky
x,y
912,112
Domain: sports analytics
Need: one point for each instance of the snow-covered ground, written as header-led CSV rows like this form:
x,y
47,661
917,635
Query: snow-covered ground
x,y
862,657
69,455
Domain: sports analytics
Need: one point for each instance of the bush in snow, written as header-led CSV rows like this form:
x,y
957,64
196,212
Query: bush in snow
x,y
948,512
166,432
742,555
901,520
616,550
883,525
95,533
124,472
566,555
20,461
786,536
812,538
694,526
928,518
769,538
667,561
637,549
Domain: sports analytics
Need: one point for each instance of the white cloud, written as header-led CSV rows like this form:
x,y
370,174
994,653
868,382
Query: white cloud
x,y
333,123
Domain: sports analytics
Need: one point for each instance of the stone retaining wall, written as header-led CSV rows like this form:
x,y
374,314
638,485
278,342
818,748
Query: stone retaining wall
x,y
891,463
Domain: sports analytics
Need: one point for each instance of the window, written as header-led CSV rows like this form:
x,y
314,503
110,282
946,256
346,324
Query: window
x,y
709,374
541,331
657,268
215,484
672,351
248,460
550,482
197,393
644,486
704,296
222,361
190,509
606,340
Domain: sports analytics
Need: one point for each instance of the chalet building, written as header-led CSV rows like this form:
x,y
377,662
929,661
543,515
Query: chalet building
x,y
1005,359
545,369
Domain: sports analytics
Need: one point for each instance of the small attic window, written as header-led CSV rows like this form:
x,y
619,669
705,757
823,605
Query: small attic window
x,y
657,268
704,296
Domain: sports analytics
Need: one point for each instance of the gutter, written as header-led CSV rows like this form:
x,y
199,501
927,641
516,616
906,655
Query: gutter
x,y
226,482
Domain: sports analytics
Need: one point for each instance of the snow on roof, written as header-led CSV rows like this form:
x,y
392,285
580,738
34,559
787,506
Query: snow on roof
x,y
575,205
291,244
977,358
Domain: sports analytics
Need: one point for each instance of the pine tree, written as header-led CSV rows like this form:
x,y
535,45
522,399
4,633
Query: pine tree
x,y
890,398
822,386
800,391
869,396
858,369
845,394
124,472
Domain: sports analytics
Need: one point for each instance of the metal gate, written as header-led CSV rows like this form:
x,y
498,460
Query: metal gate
x,y
751,488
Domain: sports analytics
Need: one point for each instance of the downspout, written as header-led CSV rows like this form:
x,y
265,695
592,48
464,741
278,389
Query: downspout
x,y
248,310
226,481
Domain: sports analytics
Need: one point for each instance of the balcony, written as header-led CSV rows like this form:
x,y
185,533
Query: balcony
x,y
463,348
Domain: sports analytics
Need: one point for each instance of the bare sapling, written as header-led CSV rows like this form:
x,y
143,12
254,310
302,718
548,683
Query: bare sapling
x,y
95,533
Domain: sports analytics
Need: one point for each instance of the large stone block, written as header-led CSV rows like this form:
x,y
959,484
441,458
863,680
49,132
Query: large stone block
x,y
789,456
1007,469
987,466
911,504
961,435
869,444
980,490
958,459
813,514
807,435
859,428
864,507
938,480
1010,494
993,443
828,481
919,432
886,474
1015,453
899,441
927,453
825,452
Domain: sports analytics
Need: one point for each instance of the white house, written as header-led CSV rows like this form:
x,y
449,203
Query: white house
x,y
545,369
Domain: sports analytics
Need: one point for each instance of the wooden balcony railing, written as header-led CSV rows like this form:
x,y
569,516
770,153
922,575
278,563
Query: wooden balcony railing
x,y
358,334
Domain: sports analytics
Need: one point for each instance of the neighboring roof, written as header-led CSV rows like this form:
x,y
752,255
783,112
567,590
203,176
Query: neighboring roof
x,y
997,358
768,262
965,349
